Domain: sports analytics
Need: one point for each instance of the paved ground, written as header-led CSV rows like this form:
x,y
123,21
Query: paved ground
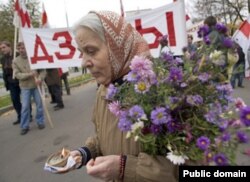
x,y
23,157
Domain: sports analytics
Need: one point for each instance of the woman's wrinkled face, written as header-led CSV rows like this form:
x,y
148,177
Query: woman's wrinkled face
x,y
95,55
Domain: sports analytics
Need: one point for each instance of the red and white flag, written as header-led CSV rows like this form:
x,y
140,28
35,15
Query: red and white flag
x,y
242,37
44,23
21,15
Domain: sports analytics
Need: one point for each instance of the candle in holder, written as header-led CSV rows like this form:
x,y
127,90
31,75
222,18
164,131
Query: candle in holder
x,y
59,159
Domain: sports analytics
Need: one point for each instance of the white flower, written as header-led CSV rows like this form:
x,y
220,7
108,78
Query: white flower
x,y
137,125
143,118
215,55
176,159
136,138
128,134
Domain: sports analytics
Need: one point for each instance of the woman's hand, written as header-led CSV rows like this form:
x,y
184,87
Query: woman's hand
x,y
106,168
77,157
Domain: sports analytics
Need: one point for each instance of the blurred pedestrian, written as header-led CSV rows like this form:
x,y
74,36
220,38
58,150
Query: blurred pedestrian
x,y
54,84
30,81
191,47
64,78
239,69
11,84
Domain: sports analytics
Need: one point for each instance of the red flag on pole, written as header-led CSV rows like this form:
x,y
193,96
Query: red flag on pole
x,y
242,37
21,15
45,22
122,10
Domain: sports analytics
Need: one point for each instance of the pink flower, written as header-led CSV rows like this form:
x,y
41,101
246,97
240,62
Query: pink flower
x,y
239,103
115,108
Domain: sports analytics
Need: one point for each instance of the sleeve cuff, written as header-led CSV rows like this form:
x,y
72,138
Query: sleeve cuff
x,y
86,155
130,168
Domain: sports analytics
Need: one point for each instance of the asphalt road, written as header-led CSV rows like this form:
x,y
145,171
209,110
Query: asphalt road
x,y
22,157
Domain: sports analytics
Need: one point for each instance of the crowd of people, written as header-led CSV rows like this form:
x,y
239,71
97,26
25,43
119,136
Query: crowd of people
x,y
107,44
25,84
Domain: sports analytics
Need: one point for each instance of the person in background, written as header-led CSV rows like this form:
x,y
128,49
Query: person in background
x,y
54,84
248,60
239,69
214,36
108,45
64,78
191,47
11,84
30,81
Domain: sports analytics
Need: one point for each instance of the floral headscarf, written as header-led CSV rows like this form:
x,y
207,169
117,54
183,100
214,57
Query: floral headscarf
x,y
123,42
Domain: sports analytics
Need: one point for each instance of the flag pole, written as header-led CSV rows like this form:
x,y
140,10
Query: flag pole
x,y
44,104
66,14
14,49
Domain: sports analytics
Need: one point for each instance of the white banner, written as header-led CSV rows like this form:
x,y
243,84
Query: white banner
x,y
166,20
51,48
56,48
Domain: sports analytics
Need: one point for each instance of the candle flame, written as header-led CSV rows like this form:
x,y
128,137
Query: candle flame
x,y
63,153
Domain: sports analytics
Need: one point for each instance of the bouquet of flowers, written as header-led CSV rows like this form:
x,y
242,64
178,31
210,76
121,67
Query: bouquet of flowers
x,y
183,110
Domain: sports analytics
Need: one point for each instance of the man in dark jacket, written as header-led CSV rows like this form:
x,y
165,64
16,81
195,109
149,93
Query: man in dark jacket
x,y
54,84
11,83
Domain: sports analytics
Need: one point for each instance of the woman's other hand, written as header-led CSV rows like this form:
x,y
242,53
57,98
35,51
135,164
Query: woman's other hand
x,y
77,157
106,168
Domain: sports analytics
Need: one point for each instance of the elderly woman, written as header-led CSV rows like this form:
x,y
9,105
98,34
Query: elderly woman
x,y
108,45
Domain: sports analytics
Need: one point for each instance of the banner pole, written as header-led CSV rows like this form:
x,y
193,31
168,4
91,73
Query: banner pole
x,y
44,105
14,49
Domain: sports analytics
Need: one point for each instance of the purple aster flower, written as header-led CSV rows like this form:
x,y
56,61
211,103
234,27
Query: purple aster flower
x,y
203,31
124,124
132,76
160,116
204,77
163,40
211,117
178,60
203,143
242,137
112,90
194,100
245,115
175,74
220,159
225,91
174,100
221,28
172,126
136,112
140,64
223,124
226,137
227,42
155,129
207,40
168,57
